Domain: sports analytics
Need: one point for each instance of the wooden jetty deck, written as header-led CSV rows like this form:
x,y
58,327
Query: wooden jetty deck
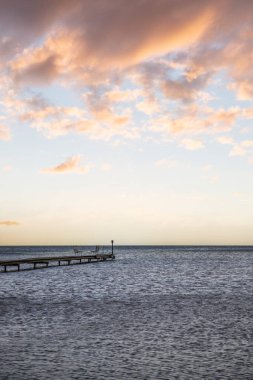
x,y
43,262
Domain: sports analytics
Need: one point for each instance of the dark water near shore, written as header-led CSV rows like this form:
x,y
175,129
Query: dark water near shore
x,y
153,313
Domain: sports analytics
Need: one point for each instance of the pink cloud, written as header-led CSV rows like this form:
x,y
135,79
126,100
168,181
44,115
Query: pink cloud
x,y
169,47
101,109
4,133
192,144
243,148
98,119
80,37
71,165
148,106
118,96
195,119
225,140
88,36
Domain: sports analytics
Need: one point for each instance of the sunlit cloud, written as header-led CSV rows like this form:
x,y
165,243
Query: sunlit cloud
x,y
171,55
242,149
238,150
99,120
5,133
148,106
102,110
192,144
116,95
225,140
9,223
71,165
195,120
156,29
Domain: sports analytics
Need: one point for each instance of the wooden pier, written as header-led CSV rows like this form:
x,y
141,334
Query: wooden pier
x,y
44,262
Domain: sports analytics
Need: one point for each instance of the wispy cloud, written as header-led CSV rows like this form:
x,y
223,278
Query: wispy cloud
x,y
9,223
4,133
71,165
225,140
242,149
192,144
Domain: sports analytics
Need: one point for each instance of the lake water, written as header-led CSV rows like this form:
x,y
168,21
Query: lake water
x,y
153,313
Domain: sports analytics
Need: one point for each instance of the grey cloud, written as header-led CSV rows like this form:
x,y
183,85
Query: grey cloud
x,y
38,73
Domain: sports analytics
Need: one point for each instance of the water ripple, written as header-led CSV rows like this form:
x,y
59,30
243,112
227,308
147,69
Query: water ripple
x,y
154,313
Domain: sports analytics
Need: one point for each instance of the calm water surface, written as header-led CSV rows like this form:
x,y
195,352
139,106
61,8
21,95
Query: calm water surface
x,y
154,313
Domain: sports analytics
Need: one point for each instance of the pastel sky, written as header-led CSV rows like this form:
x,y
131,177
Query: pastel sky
x,y
126,120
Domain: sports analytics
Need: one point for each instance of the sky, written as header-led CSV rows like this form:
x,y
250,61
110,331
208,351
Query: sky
x,y
126,120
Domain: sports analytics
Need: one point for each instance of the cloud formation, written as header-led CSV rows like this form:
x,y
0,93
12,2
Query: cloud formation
x,y
243,148
9,223
170,53
71,165
115,34
4,133
81,36
192,144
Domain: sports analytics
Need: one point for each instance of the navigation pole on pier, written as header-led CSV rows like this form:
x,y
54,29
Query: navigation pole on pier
x,y
112,247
